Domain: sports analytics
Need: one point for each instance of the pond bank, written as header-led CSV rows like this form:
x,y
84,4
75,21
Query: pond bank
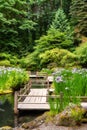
x,y
41,123
62,121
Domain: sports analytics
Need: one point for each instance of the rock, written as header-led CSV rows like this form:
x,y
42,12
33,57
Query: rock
x,y
71,116
35,123
64,120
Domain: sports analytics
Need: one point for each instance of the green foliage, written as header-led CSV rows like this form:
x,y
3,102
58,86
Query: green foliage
x,y
66,6
14,26
61,57
42,11
60,21
77,113
78,12
12,78
68,84
5,63
81,52
30,62
8,59
62,24
48,71
53,39
49,59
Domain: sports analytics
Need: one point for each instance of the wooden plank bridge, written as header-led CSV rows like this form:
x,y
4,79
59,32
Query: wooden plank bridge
x,y
35,100
29,98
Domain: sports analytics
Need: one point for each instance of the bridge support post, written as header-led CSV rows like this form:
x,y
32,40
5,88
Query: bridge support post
x,y
16,103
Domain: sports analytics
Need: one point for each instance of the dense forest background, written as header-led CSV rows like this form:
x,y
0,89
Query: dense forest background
x,y
36,34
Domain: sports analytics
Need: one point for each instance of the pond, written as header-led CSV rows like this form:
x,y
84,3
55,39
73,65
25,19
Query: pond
x,y
7,117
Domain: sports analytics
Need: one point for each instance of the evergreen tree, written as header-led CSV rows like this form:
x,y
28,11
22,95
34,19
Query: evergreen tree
x,y
14,26
66,6
61,23
78,12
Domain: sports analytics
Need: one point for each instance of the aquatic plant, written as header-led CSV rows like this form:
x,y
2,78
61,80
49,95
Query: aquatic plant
x,y
72,84
11,78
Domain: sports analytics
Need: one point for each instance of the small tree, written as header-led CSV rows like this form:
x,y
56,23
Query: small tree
x,y
61,23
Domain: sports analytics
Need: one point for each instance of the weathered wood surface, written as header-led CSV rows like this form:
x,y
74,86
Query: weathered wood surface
x,y
36,99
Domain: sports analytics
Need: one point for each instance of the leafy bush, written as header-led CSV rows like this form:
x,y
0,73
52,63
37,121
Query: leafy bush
x,y
12,78
53,39
81,51
30,62
61,58
8,59
5,63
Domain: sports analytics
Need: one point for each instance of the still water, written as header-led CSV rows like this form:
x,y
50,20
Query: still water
x,y
7,117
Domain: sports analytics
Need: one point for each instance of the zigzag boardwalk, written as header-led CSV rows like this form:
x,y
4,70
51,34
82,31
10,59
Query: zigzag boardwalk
x,y
29,98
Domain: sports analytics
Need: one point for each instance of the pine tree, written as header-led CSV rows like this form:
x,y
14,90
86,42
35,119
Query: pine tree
x,y
78,12
62,24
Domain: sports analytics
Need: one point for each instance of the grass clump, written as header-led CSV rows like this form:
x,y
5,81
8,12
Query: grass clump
x,y
69,86
12,78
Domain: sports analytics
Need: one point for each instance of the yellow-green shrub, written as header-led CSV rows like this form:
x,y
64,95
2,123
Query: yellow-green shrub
x,y
5,63
7,59
61,57
81,52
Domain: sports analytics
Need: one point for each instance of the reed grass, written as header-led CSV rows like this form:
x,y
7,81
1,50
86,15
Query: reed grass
x,y
71,83
11,78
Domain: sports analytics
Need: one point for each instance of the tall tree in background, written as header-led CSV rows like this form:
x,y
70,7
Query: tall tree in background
x,y
14,25
42,11
66,6
24,21
78,12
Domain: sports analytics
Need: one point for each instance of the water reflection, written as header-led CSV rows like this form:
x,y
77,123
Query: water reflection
x,y
6,110
7,117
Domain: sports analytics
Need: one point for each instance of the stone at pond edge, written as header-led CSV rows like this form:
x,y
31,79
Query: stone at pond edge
x,y
71,116
35,123
6,128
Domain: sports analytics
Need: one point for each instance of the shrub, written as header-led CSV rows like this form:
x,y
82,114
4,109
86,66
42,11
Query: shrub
x,y
30,62
5,63
12,78
61,57
8,59
53,39
81,51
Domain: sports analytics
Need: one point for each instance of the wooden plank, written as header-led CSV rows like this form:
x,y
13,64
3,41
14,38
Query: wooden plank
x,y
34,93
36,99
33,106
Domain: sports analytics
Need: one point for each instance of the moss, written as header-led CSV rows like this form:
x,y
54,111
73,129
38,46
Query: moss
x,y
71,116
